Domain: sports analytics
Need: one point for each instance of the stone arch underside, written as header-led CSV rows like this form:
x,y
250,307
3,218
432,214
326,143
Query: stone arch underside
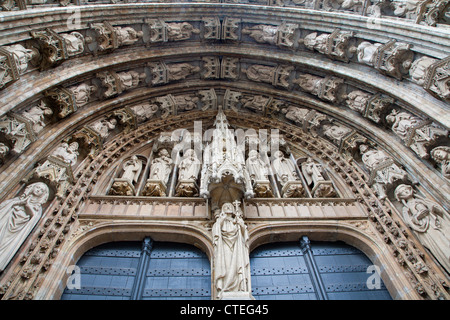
x,y
378,220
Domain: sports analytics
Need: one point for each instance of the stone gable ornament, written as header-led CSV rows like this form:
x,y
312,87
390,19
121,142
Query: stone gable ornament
x,y
428,220
231,254
18,217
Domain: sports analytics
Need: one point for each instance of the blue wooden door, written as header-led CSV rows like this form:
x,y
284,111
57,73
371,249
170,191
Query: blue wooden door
x,y
318,270
141,271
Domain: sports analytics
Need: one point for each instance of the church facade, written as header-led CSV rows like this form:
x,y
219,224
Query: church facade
x,y
224,150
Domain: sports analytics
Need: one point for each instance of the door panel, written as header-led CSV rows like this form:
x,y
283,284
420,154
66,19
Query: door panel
x,y
280,271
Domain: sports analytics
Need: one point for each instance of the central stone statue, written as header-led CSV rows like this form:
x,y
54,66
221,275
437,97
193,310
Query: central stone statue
x,y
231,254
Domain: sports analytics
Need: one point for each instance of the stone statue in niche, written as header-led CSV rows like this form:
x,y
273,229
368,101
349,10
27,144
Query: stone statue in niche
x,y
384,172
130,79
428,220
180,71
260,73
231,253
180,31
22,56
125,185
313,173
67,152
82,93
104,126
185,102
254,102
287,176
442,156
336,133
161,166
127,35
144,111
160,169
18,217
262,33
132,169
189,169
36,115
259,175
415,132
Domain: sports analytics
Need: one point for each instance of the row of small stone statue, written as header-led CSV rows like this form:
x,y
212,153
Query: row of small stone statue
x,y
189,167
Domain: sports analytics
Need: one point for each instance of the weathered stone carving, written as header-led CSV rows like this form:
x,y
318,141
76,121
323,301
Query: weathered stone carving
x,y
37,116
259,174
18,130
18,217
14,61
287,176
4,150
161,31
104,127
335,45
231,254
392,59
328,88
215,29
188,171
116,83
70,99
428,220
442,156
277,76
336,133
220,68
385,174
67,152
416,133
162,73
433,75
110,38
160,169
370,106
144,111
277,35
429,12
314,176
208,99
125,184
308,119
55,48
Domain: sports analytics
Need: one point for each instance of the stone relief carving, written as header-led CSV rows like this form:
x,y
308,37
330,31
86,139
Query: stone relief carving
x,y
336,133
116,83
162,73
144,111
308,119
110,38
392,59
67,152
433,75
416,133
277,35
18,217
37,116
428,220
335,45
441,155
14,61
104,127
4,150
18,130
314,176
277,76
328,88
231,254
368,105
385,174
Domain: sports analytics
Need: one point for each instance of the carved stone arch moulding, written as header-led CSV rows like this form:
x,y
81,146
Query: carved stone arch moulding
x,y
27,275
